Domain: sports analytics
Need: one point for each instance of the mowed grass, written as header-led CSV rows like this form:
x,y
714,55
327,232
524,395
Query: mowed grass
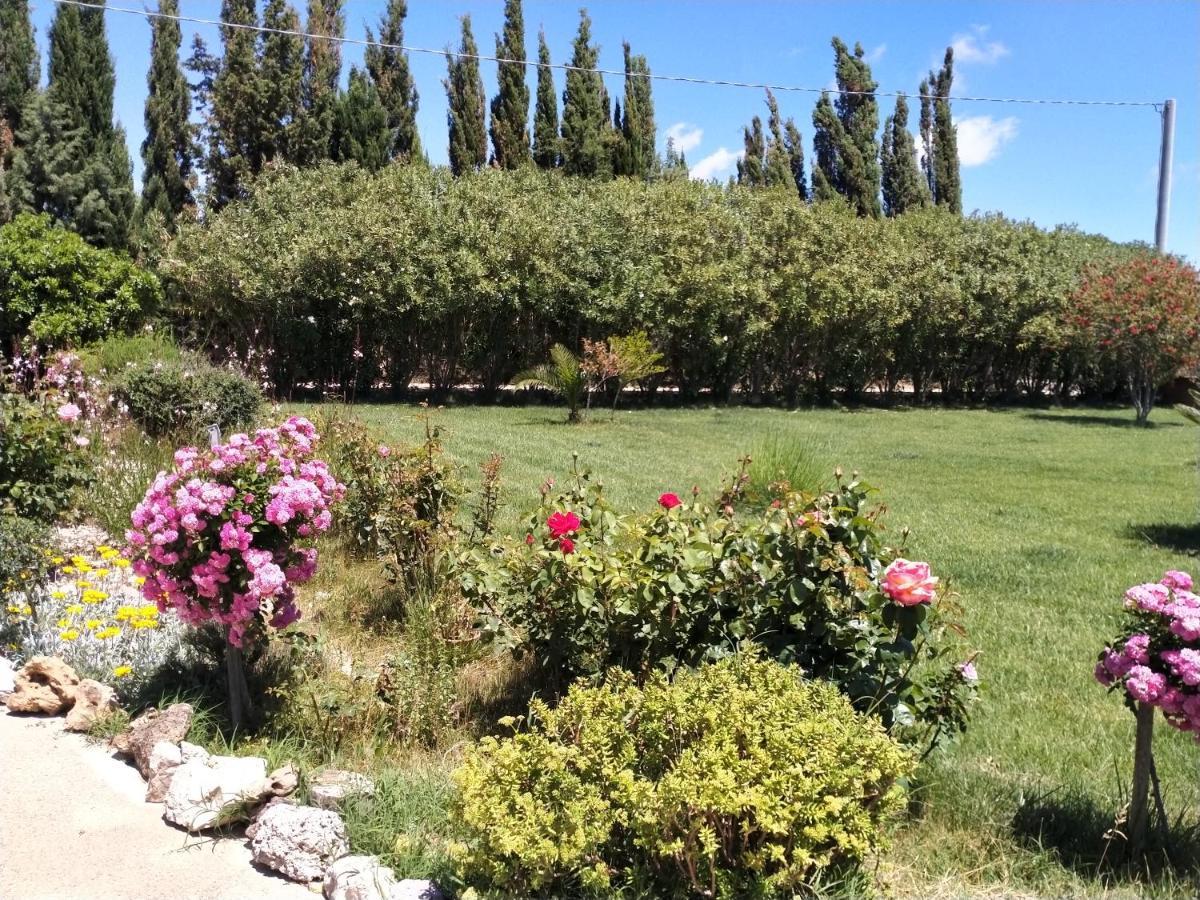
x,y
1037,519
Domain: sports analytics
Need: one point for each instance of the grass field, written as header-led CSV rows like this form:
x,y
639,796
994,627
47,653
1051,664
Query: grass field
x,y
1038,519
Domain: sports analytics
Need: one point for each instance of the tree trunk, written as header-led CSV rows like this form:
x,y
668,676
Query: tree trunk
x,y
241,710
1143,763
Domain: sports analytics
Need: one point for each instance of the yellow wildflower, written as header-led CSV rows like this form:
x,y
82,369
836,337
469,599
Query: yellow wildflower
x,y
94,596
83,584
69,635
101,573
59,595
139,580
125,612
74,609
58,560
122,671
63,623
68,570
139,624
93,624
149,611
121,563
110,632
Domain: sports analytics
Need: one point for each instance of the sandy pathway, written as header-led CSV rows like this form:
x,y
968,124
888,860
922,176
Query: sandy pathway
x,y
74,826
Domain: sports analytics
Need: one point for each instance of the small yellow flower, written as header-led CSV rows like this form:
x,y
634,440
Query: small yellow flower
x,y
122,671
83,584
58,560
59,595
74,609
69,635
149,611
139,624
121,563
110,632
101,573
68,570
139,580
94,596
93,624
63,623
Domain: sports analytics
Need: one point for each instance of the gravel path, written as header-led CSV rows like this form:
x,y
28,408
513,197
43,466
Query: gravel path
x,y
74,826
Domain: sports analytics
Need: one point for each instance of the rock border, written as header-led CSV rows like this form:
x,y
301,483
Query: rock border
x,y
200,791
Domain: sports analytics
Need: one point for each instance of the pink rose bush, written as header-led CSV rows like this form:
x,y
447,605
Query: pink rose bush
x,y
1157,658
221,536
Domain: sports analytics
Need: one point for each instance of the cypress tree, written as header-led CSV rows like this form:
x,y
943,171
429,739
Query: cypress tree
x,y
361,133
795,152
858,111
394,83
546,145
636,154
510,106
168,152
828,138
751,168
926,126
585,110
86,182
903,185
674,164
947,181
234,118
777,165
280,76
313,139
19,69
464,90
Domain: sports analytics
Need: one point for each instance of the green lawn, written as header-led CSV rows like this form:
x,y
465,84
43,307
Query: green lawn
x,y
1038,519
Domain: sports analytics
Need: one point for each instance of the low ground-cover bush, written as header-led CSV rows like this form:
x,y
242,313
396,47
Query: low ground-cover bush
x,y
808,579
186,395
24,561
61,291
737,779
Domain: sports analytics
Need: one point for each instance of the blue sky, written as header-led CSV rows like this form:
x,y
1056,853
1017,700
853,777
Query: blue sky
x,y
1092,166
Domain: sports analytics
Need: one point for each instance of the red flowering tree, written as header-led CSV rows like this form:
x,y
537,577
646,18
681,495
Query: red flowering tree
x,y
1143,318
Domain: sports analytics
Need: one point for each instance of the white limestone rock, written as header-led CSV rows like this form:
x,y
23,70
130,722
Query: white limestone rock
x,y
214,791
299,842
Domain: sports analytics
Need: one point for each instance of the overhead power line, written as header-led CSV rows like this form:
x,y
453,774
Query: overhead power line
x,y
684,79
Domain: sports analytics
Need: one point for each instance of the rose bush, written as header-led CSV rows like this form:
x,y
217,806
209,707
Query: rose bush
x,y
220,538
1156,657
808,579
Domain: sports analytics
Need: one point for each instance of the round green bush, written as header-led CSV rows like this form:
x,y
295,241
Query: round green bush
x,y
185,395
40,467
736,779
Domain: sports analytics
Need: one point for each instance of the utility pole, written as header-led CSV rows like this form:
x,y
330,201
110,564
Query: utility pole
x,y
1164,176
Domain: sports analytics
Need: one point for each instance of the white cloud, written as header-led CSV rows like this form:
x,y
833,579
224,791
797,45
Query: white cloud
x,y
687,137
715,165
974,48
980,138
875,55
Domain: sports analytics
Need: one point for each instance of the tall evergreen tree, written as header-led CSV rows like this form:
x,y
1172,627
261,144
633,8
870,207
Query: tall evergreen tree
x,y
858,111
510,106
585,119
72,161
546,144
944,166
313,139
751,168
636,155
394,83
19,68
280,78
465,117
674,164
361,133
828,139
926,129
795,152
168,152
777,164
903,185
233,127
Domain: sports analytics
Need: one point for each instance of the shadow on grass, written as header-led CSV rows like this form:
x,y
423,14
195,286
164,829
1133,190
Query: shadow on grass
x,y
1095,420
1086,839
1167,536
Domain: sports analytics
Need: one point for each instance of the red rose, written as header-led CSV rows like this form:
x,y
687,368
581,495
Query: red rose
x,y
566,545
669,500
562,523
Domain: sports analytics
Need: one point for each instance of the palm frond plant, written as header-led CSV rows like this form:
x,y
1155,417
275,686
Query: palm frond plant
x,y
562,374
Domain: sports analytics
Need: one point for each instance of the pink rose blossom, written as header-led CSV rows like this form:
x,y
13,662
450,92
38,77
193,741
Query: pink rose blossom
x,y
909,583
69,412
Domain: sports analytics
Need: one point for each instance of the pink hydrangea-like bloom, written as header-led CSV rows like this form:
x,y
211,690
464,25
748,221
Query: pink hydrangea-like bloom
x,y
909,583
1177,581
211,499
1144,684
1137,649
1150,597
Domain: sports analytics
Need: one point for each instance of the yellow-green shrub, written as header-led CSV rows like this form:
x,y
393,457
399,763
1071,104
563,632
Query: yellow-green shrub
x,y
736,779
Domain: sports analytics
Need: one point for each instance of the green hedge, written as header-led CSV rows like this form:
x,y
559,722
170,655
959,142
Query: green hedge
x,y
335,276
